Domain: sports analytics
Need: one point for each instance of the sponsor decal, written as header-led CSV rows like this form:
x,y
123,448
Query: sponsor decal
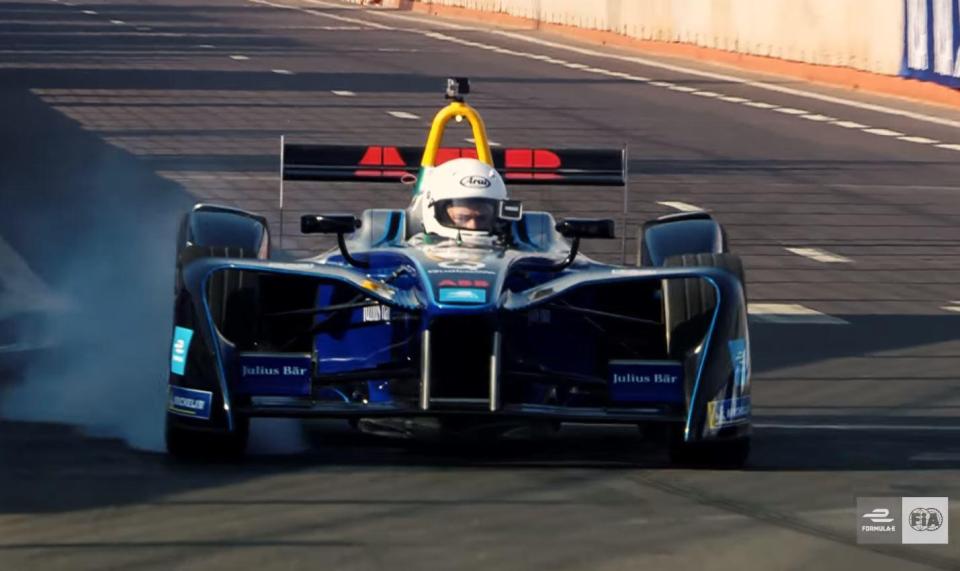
x,y
189,402
740,358
907,520
462,265
179,350
463,295
460,271
376,313
721,413
463,283
646,381
266,374
475,181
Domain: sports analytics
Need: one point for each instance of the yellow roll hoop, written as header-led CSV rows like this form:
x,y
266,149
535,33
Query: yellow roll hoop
x,y
435,139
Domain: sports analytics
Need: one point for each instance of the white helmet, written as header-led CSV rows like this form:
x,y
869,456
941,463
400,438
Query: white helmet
x,y
460,199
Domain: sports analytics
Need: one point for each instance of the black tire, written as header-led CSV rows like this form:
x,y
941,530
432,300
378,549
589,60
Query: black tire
x,y
197,445
719,454
689,303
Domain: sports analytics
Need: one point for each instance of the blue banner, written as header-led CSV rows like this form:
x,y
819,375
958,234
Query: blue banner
x,y
932,41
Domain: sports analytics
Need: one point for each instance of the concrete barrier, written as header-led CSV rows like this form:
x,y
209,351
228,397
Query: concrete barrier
x,y
859,34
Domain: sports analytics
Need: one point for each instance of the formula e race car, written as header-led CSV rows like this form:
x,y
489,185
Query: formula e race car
x,y
462,311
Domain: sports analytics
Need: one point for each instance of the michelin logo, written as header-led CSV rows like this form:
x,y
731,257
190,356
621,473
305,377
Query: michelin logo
x,y
190,402
721,413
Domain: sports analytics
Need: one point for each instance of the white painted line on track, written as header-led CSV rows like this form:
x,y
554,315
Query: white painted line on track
x,y
117,22
864,427
681,206
706,93
239,57
819,255
90,12
791,313
760,105
492,143
682,88
731,99
950,147
791,111
883,132
205,46
851,125
819,118
919,140
282,71
953,306
343,93
403,115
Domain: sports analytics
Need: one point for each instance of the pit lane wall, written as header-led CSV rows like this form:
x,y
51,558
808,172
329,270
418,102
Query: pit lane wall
x,y
866,35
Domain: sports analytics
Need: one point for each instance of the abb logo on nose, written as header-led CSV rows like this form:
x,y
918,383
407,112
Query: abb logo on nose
x,y
464,283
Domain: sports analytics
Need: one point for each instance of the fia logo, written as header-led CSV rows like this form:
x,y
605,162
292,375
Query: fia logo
x,y
926,519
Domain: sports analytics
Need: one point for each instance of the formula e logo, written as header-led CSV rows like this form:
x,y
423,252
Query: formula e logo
x,y
178,353
879,515
475,182
926,519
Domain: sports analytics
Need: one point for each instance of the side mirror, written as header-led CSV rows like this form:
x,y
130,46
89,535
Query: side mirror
x,y
328,223
511,210
586,228
338,224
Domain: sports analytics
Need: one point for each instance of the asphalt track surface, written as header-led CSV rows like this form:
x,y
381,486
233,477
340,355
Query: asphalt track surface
x,y
118,115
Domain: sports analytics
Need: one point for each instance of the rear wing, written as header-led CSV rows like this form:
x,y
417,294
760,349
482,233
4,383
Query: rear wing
x,y
527,166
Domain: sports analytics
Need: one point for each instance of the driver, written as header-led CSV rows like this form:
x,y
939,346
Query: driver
x,y
459,200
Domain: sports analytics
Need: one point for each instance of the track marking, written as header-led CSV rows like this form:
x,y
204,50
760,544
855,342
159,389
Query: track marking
x,y
681,206
90,12
282,71
343,93
851,125
883,132
791,111
869,427
819,255
919,140
492,143
950,147
117,22
791,313
819,118
205,46
706,93
731,99
403,115
682,88
238,57
953,306
760,105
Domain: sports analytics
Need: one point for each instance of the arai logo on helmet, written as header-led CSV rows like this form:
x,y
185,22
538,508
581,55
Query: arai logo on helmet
x,y
475,181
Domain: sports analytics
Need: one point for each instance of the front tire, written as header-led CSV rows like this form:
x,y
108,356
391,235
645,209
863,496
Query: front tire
x,y
200,445
716,454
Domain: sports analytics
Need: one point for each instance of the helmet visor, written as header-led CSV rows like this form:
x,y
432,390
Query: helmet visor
x,y
476,214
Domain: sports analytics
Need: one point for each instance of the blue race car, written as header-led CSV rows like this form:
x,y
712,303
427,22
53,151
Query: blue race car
x,y
461,311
